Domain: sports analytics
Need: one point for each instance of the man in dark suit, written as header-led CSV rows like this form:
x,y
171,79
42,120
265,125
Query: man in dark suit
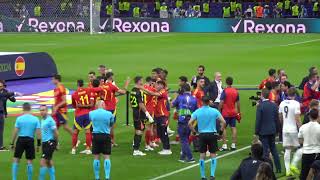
x,y
267,126
214,90
4,96
201,70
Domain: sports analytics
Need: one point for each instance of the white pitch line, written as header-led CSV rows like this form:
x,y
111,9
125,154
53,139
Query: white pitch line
x,y
195,165
303,42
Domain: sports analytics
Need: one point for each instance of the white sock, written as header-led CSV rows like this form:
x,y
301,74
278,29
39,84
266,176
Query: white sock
x,y
233,145
287,154
297,157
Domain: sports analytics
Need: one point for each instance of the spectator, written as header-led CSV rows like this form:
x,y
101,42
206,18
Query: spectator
x,y
201,70
265,172
249,12
214,90
189,12
249,166
164,11
310,90
303,12
314,104
309,136
197,11
315,9
205,9
176,13
267,126
144,11
4,96
226,12
314,173
266,11
259,11
271,78
312,70
279,8
295,10
238,13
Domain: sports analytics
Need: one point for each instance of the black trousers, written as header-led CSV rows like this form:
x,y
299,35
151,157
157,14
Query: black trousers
x,y
162,124
307,160
1,128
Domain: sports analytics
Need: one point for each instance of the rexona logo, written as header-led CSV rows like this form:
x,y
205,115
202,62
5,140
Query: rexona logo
x,y
123,25
20,66
250,26
1,27
55,26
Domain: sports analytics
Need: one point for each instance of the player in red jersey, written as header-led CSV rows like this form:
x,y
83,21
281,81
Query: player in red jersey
x,y
198,93
274,93
161,115
109,96
83,103
229,98
91,77
271,78
310,91
60,108
150,106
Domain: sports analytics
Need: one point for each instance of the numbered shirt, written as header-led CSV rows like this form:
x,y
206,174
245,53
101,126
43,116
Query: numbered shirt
x,y
151,101
109,95
82,96
60,92
136,97
288,109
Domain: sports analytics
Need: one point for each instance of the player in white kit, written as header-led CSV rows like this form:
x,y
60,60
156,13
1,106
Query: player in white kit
x,y
289,115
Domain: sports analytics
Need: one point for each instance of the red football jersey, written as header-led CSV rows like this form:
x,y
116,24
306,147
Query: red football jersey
x,y
60,92
229,96
95,95
83,97
109,95
151,101
198,94
161,106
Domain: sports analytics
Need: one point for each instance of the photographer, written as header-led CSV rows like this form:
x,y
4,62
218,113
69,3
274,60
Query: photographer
x,y
4,96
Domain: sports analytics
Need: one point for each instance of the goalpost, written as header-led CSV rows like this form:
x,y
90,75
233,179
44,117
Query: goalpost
x,y
98,24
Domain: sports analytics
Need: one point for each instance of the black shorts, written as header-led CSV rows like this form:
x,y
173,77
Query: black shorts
x,y
208,141
48,149
25,144
139,124
101,144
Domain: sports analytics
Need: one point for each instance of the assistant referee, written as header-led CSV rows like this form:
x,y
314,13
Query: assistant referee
x,y
102,121
206,118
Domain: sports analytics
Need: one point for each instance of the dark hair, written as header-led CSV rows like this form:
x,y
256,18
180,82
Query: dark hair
x,y
272,72
161,82
80,83
202,66
102,66
311,75
201,78
264,172
279,70
257,150
205,100
157,70
265,93
268,85
57,77
183,78
43,105
165,71
92,72
287,83
148,79
95,83
186,88
314,114
275,84
26,107
311,69
3,82
229,81
109,75
292,92
314,103
137,79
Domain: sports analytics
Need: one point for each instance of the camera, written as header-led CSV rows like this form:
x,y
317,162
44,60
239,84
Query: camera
x,y
255,99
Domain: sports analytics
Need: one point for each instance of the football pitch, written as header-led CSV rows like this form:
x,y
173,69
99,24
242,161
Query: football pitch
x,y
245,57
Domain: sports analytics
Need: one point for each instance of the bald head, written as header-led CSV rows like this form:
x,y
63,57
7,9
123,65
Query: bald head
x,y
100,104
217,76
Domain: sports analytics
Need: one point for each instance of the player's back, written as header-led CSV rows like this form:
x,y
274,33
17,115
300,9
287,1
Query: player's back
x,y
27,125
229,96
289,109
59,92
102,120
81,96
150,100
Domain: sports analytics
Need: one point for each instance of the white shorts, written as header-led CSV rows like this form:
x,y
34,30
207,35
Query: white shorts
x,y
290,140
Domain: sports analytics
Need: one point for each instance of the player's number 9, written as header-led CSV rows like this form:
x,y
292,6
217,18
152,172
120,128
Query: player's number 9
x,y
286,110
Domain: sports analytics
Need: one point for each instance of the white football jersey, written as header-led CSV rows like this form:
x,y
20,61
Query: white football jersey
x,y
288,109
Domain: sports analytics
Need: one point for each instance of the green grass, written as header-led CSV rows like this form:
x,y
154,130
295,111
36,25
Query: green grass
x,y
243,56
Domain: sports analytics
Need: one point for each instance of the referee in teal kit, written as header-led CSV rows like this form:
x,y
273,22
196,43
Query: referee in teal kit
x,y
206,118
102,121
25,127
